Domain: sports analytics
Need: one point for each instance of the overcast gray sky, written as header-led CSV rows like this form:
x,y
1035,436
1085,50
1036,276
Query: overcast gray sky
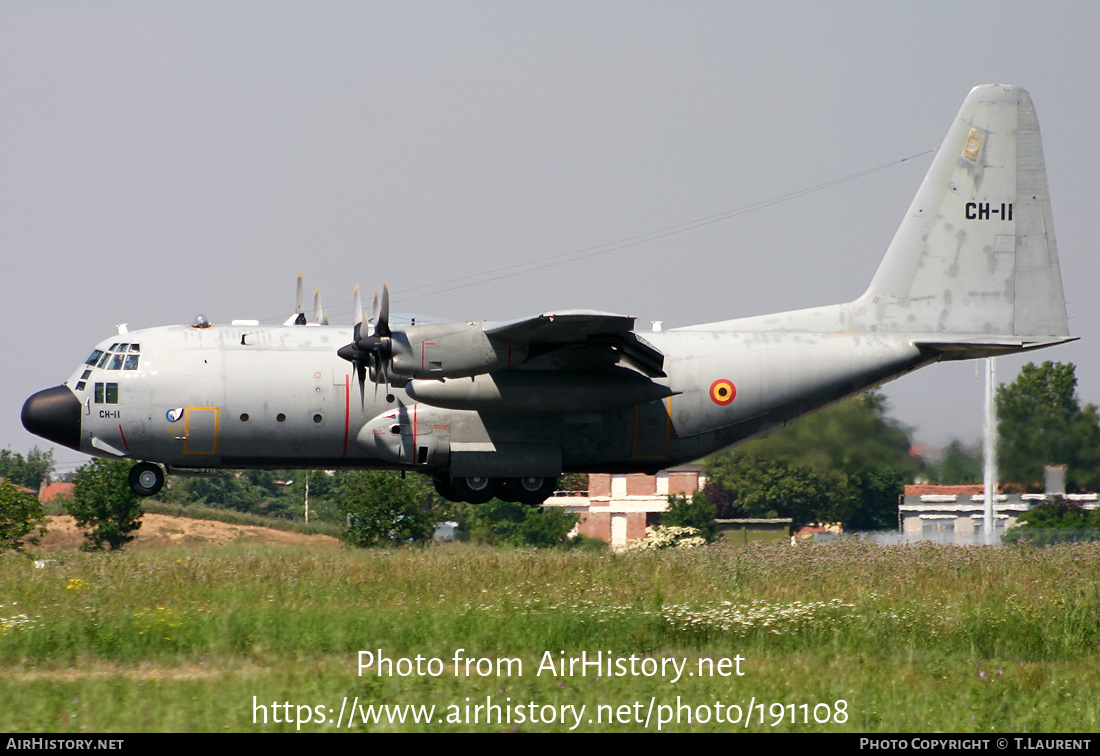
x,y
164,159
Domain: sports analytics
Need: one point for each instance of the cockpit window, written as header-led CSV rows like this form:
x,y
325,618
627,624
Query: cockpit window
x,y
118,357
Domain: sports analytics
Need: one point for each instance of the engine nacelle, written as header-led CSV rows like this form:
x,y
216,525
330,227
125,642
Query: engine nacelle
x,y
451,350
415,435
540,391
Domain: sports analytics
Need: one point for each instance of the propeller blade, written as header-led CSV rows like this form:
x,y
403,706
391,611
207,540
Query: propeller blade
x,y
319,314
382,324
358,307
299,316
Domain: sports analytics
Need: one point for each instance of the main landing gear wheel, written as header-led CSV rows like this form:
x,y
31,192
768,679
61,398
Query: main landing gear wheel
x,y
146,478
530,490
475,490
444,489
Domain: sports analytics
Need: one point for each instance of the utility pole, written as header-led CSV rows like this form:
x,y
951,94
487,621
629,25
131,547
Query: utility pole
x,y
990,445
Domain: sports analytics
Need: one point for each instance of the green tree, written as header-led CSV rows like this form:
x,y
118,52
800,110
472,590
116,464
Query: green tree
x,y
744,486
384,509
26,471
847,463
497,523
697,512
103,504
877,495
851,437
957,464
546,527
1041,422
1055,521
225,489
20,514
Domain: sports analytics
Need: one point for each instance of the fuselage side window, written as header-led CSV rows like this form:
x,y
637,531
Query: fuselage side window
x,y
106,392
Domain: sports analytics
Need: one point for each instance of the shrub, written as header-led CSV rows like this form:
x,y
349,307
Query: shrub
x,y
384,509
20,514
103,504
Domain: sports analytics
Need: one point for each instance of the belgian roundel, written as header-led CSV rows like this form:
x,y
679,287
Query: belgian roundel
x,y
722,391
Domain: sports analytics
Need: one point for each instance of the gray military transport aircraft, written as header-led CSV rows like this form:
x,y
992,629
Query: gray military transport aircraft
x,y
503,409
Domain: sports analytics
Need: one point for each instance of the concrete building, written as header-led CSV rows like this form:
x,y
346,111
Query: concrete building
x,y
956,514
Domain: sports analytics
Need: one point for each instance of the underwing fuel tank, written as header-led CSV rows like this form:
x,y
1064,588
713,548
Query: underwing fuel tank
x,y
540,391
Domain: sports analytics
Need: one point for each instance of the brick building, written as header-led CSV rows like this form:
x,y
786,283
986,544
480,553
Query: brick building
x,y
619,506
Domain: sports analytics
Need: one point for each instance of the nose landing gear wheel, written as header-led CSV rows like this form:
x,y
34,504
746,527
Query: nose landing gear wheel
x,y
146,478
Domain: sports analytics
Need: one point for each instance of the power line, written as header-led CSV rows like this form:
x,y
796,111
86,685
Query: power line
x,y
632,241
564,258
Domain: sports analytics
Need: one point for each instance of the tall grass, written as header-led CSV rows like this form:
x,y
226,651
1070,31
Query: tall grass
x,y
913,637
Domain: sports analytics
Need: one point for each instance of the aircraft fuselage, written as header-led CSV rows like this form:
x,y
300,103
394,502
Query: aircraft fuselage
x,y
279,396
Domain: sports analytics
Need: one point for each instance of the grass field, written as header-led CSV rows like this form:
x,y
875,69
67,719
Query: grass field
x,y
841,637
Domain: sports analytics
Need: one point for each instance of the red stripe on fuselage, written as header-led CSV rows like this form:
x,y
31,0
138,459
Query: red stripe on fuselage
x,y
347,410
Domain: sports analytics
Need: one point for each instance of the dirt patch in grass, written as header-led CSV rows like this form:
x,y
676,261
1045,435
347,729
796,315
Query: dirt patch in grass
x,y
159,531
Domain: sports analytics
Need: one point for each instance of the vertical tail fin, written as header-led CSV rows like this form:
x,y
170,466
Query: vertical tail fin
x,y
975,253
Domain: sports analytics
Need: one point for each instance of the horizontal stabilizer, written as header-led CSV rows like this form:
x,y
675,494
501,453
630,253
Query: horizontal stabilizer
x,y
965,348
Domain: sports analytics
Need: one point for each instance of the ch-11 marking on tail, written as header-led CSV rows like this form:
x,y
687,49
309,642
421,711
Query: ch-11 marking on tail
x,y
503,409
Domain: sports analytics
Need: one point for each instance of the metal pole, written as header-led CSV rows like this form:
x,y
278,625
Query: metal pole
x,y
990,445
307,497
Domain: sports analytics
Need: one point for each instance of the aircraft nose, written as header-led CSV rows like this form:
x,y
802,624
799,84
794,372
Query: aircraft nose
x,y
54,414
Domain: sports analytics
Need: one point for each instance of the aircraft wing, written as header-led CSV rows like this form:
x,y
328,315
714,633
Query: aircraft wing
x,y
587,328
563,327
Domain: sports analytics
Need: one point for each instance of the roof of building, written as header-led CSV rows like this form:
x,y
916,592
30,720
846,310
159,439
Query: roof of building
x,y
926,489
51,491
